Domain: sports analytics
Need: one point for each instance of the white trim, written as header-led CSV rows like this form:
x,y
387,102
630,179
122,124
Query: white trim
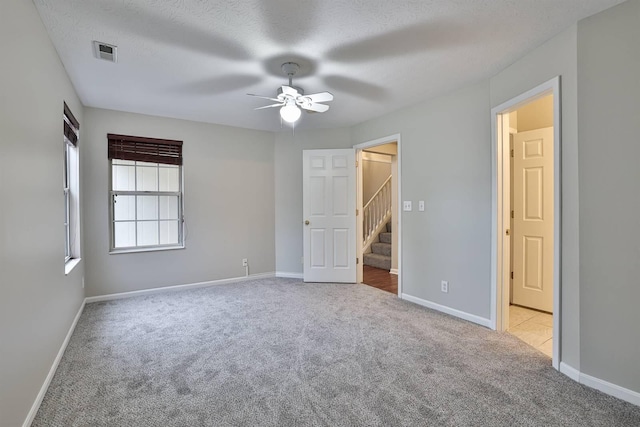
x,y
601,385
45,386
448,310
70,265
121,295
289,275
570,371
393,271
498,302
386,140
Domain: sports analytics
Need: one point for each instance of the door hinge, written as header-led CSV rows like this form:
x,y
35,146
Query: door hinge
x,y
357,260
357,212
511,153
512,275
507,232
511,214
356,163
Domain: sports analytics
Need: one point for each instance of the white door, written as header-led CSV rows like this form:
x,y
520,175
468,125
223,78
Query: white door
x,y
533,219
329,215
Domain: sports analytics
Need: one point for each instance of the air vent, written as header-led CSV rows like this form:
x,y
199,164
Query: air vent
x,y
105,51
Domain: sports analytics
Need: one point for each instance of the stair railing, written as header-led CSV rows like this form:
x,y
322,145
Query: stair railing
x,y
376,213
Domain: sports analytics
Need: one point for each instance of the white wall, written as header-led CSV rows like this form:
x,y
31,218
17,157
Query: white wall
x,y
228,199
38,302
376,169
445,162
609,132
288,190
557,57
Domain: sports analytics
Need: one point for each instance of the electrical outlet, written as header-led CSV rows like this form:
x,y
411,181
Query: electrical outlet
x,y
406,206
245,262
444,286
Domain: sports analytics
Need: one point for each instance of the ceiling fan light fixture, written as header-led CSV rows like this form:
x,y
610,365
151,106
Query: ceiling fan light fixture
x,y
290,113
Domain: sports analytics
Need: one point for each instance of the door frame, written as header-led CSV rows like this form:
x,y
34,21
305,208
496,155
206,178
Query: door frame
x,y
359,147
500,204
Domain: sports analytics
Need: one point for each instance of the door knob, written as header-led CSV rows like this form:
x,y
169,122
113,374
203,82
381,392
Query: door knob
x,y
307,222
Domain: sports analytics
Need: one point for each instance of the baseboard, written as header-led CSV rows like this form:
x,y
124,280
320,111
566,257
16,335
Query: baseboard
x,y
43,390
394,271
570,371
448,310
289,275
130,294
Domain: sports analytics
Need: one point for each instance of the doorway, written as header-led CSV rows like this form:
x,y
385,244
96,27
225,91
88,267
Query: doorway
x,y
526,203
378,220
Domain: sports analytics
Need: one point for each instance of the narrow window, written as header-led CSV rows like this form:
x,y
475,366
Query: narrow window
x,y
146,193
71,184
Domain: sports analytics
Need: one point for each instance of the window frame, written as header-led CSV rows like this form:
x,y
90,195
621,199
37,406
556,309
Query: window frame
x,y
112,194
71,188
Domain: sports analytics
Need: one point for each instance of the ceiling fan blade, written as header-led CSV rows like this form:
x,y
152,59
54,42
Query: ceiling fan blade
x,y
289,91
270,106
319,97
264,97
312,106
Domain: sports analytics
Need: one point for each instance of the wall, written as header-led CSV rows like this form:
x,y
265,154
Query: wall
x,y
609,129
557,57
228,202
288,190
376,168
38,302
446,163
535,115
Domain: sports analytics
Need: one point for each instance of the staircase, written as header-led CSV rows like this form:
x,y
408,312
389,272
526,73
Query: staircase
x,y
380,255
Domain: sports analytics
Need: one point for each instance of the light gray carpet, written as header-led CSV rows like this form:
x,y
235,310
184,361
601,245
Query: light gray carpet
x,y
277,352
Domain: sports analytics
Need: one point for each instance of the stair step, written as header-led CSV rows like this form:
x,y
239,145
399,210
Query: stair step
x,y
377,261
381,248
385,237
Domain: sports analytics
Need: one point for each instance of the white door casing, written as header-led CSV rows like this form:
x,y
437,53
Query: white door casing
x,y
329,215
533,222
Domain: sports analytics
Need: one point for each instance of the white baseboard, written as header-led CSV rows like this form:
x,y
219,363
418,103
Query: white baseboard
x,y
289,275
394,271
570,371
121,295
452,311
43,390
601,385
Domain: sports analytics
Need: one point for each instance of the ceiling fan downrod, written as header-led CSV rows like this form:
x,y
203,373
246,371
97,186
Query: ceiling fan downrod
x,y
290,69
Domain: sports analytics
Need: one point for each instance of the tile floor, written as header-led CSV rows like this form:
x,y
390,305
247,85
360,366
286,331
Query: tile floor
x,y
533,327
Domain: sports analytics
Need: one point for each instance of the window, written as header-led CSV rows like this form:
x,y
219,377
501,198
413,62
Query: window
x,y
71,132
146,193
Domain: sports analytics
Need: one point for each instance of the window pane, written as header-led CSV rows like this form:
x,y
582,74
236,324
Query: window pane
x,y
124,178
147,207
147,164
147,178
168,207
124,208
124,234
169,178
168,232
123,162
147,233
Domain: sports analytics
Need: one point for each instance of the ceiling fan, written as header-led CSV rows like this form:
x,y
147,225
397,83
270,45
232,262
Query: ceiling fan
x,y
292,99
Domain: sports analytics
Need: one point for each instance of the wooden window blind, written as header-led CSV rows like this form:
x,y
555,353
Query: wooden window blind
x,y
152,150
71,126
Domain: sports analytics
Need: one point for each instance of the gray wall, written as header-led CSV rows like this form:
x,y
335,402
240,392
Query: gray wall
x,y
557,57
38,301
288,190
228,198
609,132
445,161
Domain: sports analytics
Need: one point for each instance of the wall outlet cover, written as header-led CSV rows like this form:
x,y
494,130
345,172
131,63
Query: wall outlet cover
x,y
406,205
444,286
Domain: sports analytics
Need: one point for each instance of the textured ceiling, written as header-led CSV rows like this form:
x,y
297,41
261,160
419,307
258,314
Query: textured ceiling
x,y
197,59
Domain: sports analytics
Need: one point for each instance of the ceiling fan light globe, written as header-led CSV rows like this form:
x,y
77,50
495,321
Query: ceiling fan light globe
x,y
290,113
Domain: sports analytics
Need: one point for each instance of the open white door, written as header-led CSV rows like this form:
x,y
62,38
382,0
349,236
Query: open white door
x,y
329,215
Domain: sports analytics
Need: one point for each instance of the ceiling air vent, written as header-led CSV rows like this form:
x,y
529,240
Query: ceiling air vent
x,y
105,51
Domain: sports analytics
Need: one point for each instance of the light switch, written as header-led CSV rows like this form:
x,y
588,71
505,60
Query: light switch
x,y
406,206
421,205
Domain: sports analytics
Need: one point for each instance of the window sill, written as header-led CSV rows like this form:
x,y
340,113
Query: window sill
x,y
137,250
70,265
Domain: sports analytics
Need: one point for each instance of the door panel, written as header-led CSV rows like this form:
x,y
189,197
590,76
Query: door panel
x,y
329,207
533,219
